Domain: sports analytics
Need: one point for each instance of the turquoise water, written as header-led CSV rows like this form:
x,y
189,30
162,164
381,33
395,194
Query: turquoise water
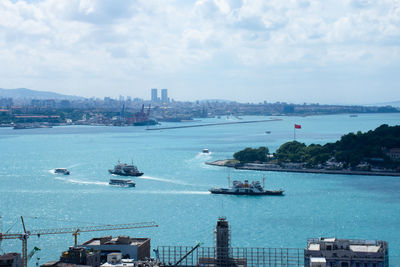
x,y
173,191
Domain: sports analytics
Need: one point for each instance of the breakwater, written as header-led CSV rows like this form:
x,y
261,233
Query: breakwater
x,y
210,124
254,167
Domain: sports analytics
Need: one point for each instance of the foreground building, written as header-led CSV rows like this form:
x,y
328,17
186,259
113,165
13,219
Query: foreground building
x,y
332,252
11,260
76,256
130,248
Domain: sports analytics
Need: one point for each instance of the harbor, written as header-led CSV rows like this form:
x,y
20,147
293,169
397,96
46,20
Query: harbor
x,y
210,124
174,188
278,168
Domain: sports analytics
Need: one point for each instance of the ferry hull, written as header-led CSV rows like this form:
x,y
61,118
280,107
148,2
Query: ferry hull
x,y
125,174
265,193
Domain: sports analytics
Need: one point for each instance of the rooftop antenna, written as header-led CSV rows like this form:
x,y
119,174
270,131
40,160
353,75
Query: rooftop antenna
x,y
335,228
1,230
222,208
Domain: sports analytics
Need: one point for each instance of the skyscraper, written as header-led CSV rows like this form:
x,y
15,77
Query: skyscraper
x,y
154,95
164,95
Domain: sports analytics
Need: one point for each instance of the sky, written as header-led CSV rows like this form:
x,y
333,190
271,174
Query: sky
x,y
297,51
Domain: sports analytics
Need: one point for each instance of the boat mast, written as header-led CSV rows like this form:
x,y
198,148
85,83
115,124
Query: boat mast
x,y
263,181
229,181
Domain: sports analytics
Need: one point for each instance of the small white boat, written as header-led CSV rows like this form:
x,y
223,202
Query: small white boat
x,y
205,150
61,171
122,182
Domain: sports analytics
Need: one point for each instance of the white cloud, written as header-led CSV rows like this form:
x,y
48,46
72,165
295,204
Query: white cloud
x,y
135,40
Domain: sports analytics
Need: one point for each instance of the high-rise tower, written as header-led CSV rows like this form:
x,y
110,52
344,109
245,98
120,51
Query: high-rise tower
x,y
164,95
154,95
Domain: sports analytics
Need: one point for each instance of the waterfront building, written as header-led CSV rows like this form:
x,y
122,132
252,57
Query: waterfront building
x,y
332,252
164,96
154,95
394,154
6,103
131,248
11,260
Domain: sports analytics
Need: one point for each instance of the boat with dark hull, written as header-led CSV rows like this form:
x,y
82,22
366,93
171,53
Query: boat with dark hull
x,y
124,169
61,171
122,182
246,188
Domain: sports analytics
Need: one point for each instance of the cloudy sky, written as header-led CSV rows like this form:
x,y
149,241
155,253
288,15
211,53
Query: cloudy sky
x,y
327,51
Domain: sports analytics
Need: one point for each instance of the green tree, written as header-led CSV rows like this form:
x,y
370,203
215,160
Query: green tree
x,y
252,154
292,152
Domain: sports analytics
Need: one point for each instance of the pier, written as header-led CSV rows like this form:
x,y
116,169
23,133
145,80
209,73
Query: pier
x,y
210,124
277,168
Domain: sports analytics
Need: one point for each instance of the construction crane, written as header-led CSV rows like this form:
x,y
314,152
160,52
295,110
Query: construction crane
x,y
75,231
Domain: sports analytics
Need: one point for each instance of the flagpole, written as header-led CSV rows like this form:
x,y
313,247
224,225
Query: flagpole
x,y
294,133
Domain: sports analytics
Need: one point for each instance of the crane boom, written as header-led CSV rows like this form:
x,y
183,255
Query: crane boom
x,y
94,228
70,230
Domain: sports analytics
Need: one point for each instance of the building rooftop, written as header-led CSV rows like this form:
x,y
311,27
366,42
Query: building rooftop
x,y
314,247
120,240
318,260
355,245
365,248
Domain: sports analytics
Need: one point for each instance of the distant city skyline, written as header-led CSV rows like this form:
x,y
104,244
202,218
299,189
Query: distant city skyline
x,y
330,52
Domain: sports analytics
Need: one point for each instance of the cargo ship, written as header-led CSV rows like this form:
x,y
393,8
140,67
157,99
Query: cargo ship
x,y
246,188
124,169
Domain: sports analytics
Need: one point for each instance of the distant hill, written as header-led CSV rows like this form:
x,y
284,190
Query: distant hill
x,y
25,93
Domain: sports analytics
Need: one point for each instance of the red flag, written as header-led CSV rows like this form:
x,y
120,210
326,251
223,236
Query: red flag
x,y
297,126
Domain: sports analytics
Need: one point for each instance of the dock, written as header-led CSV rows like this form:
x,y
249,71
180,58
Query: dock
x,y
277,168
210,124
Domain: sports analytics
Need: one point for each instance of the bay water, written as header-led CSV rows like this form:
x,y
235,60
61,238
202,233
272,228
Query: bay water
x,y
173,191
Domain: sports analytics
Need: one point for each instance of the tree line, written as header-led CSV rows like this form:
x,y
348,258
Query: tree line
x,y
351,150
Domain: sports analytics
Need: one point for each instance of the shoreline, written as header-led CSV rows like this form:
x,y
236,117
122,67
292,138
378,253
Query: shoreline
x,y
223,163
210,124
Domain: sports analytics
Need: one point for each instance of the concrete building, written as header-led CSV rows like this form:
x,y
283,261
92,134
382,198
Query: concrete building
x,y
164,96
76,257
317,262
154,95
130,248
115,260
11,260
346,253
81,256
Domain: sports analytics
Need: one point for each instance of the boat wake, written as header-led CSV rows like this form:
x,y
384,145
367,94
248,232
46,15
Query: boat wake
x,y
202,155
163,180
74,165
199,159
172,192
82,182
